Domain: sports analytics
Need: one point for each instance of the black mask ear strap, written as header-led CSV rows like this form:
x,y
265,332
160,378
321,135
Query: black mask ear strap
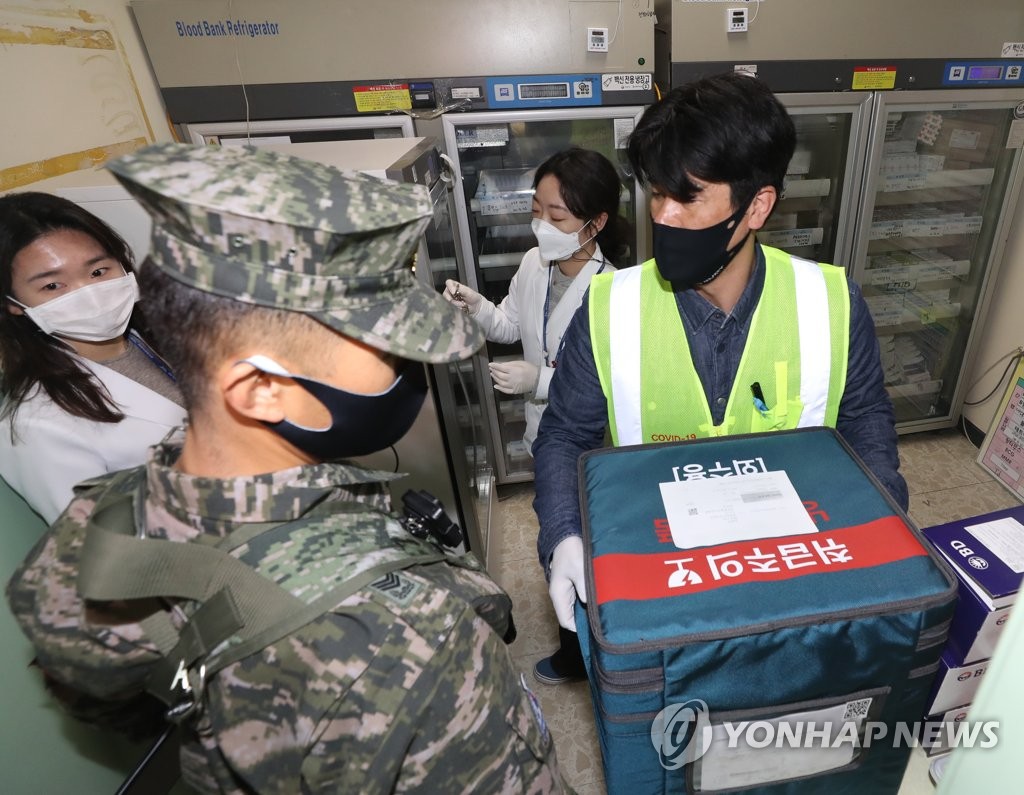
x,y
737,217
730,255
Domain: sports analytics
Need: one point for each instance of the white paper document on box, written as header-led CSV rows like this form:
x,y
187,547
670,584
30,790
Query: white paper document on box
x,y
1004,538
712,511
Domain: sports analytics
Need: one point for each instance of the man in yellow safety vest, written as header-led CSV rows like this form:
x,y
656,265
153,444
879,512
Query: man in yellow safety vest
x,y
717,334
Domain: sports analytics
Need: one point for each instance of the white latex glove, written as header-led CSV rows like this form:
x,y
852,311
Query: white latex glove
x,y
566,583
514,378
466,297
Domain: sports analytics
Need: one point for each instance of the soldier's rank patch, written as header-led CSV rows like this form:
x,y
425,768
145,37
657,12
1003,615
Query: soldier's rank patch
x,y
396,587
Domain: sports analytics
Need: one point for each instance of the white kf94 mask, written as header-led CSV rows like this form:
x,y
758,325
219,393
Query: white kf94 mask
x,y
554,244
94,313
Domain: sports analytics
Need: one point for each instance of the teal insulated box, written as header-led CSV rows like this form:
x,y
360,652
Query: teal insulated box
x,y
761,617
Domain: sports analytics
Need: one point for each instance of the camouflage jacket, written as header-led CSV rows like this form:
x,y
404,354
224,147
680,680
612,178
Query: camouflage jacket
x,y
404,687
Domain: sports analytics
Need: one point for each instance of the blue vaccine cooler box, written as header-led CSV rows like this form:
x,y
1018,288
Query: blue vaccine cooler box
x,y
761,617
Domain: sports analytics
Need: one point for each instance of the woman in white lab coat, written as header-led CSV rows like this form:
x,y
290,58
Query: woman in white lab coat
x,y
82,393
578,229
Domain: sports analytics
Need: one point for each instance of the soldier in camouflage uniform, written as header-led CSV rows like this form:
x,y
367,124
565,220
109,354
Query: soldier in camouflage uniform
x,y
303,639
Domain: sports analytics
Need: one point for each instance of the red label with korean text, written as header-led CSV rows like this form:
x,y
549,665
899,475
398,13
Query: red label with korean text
x,y
656,576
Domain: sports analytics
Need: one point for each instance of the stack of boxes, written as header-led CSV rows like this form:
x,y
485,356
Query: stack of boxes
x,y
963,141
987,554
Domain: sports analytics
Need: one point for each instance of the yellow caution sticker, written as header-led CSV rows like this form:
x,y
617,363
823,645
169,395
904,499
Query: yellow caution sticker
x,y
384,97
874,78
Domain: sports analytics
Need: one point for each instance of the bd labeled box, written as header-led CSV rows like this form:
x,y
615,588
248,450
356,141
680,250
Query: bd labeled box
x,y
976,628
937,730
987,556
955,684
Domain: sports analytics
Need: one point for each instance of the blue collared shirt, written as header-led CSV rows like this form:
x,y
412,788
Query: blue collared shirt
x,y
577,414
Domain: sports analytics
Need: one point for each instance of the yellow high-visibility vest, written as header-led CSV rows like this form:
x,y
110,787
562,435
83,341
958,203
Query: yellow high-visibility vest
x,y
796,352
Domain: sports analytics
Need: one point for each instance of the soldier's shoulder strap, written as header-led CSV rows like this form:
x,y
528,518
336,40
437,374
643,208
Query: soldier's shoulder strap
x,y
235,601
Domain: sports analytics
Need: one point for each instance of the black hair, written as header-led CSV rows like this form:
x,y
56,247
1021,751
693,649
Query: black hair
x,y
726,128
29,357
590,185
200,329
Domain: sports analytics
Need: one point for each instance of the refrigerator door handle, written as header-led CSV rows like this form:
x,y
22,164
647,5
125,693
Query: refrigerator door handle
x,y
447,169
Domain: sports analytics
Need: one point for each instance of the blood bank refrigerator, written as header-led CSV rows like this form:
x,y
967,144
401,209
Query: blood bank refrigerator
x,y
814,217
910,127
913,193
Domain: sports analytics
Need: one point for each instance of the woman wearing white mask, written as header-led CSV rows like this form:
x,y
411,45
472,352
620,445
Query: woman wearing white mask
x,y
578,229
82,393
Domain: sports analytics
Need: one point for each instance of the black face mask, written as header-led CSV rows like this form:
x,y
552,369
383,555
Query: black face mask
x,y
690,257
360,424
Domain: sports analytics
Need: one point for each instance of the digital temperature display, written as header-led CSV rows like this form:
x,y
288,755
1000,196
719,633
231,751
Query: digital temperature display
x,y
544,91
984,73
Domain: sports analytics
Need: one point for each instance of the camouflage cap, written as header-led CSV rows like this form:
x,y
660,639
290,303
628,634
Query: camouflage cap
x,y
280,231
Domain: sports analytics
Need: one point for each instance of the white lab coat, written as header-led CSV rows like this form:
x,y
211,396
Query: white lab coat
x,y
520,316
53,450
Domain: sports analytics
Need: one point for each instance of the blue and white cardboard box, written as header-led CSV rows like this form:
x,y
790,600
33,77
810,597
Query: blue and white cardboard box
x,y
976,628
955,684
987,555
937,730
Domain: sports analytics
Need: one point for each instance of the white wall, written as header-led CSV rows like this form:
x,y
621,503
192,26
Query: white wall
x,y
77,88
1002,328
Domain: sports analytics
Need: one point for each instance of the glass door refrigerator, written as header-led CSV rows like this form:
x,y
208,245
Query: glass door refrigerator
x,y
459,386
941,187
815,215
495,155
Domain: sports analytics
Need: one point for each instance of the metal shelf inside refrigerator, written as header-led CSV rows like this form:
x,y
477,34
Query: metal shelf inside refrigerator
x,y
496,272
803,188
912,181
910,268
502,192
790,239
444,265
513,410
504,219
789,204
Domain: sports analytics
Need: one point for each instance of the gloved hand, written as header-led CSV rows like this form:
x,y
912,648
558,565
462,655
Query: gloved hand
x,y
466,297
566,583
514,378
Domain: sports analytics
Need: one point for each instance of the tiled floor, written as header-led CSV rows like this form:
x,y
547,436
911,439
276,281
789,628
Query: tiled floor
x,y
945,484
